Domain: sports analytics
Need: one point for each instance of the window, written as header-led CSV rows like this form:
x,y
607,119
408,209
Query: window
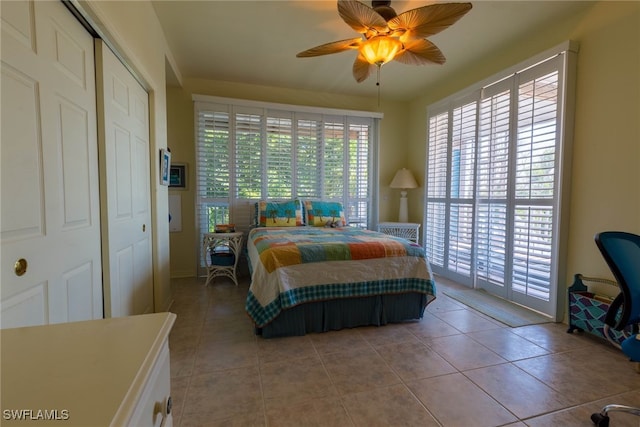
x,y
494,201
249,151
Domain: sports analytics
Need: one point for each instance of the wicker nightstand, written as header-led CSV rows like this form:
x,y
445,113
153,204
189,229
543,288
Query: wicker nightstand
x,y
221,252
406,230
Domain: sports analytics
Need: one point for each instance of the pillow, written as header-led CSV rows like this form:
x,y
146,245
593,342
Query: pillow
x,y
320,213
280,214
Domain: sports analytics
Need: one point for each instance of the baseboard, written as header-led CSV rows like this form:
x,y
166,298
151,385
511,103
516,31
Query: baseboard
x,y
182,274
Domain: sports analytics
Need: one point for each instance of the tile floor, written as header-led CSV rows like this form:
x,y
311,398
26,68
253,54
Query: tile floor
x,y
455,367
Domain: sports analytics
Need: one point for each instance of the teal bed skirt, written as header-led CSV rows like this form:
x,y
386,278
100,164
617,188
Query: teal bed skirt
x,y
323,316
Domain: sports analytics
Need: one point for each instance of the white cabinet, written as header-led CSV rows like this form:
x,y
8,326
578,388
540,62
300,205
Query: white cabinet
x,y
108,372
154,406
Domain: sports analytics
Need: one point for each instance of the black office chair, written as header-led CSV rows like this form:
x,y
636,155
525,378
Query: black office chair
x,y
621,251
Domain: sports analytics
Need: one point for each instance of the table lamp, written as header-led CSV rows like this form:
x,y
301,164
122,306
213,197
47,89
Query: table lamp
x,y
404,180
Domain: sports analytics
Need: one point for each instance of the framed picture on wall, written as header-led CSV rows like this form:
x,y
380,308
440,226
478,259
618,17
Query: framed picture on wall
x,y
178,176
165,165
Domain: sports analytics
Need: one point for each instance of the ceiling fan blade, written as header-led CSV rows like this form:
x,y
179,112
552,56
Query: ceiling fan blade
x,y
428,20
362,69
420,52
328,48
362,18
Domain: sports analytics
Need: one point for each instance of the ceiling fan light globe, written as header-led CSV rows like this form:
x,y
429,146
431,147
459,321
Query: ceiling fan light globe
x,y
380,49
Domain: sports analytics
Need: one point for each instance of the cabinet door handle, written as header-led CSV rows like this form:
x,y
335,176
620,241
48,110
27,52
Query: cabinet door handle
x,y
169,405
164,409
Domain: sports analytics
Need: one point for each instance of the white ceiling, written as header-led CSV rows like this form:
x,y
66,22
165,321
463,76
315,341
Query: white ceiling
x,y
256,42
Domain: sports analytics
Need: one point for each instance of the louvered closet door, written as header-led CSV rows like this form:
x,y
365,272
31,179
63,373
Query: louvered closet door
x,y
50,202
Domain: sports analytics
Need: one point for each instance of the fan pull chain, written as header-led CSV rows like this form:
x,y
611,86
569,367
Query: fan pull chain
x,y
378,82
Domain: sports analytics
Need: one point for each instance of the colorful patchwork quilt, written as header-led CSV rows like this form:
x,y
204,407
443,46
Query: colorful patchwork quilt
x,y
295,265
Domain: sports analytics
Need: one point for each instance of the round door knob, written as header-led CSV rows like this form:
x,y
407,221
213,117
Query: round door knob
x,y
20,267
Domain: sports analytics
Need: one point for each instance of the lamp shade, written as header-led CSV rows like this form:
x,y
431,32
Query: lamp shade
x,y
403,179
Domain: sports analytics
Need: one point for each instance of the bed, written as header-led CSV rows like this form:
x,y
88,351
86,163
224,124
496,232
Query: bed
x,y
308,279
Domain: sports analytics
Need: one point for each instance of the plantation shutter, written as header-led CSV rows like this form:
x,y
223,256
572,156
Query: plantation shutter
x,y
213,171
450,190
249,151
535,181
492,182
494,188
333,164
436,188
358,200
462,190
308,157
279,167
248,154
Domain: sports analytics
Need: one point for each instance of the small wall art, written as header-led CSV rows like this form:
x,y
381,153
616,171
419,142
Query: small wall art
x,y
165,165
178,176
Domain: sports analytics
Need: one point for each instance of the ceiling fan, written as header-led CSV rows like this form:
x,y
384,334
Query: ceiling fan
x,y
387,36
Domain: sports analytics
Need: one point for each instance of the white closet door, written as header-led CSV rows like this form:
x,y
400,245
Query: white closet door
x,y
124,150
50,214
